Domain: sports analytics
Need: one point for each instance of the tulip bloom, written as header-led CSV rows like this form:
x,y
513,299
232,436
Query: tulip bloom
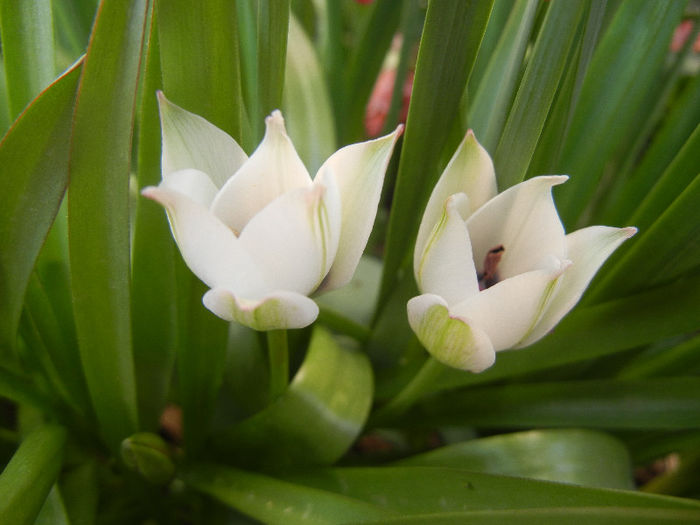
x,y
497,271
259,231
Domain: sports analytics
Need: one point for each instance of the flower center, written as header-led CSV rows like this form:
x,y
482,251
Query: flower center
x,y
489,277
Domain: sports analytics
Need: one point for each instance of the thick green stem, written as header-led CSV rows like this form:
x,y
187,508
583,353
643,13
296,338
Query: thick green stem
x,y
279,362
421,384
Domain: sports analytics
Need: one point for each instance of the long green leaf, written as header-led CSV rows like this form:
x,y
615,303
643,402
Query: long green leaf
x,y
489,108
423,490
307,106
316,419
536,92
547,516
33,175
98,210
449,45
597,331
154,295
273,28
667,403
27,48
582,457
200,67
620,76
28,477
200,60
274,501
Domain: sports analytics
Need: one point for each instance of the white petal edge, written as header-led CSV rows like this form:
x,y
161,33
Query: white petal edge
x,y
359,171
273,169
588,249
447,267
192,183
453,341
276,311
190,141
208,247
524,220
469,171
293,240
509,310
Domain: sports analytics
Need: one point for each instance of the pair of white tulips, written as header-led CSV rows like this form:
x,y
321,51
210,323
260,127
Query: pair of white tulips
x,y
496,270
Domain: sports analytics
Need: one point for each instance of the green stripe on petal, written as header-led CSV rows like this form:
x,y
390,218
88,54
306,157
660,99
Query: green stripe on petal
x,y
449,339
279,310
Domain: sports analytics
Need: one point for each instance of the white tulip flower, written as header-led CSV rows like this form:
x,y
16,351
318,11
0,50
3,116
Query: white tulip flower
x,y
496,270
258,231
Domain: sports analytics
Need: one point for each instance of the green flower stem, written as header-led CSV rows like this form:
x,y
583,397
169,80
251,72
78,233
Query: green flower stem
x,y
342,324
278,353
421,384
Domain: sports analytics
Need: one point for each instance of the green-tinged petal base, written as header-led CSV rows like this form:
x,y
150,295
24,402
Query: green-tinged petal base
x,y
279,310
449,339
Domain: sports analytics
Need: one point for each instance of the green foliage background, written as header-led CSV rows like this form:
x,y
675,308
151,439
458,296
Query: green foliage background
x,y
102,326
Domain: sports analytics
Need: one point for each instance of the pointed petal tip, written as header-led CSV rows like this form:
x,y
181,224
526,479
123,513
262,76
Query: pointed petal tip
x,y
630,231
150,192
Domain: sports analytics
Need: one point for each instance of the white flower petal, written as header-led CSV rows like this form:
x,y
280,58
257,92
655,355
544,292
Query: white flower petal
x,y
208,247
524,220
451,340
470,171
508,311
192,183
278,310
295,238
273,169
189,141
447,267
359,171
588,249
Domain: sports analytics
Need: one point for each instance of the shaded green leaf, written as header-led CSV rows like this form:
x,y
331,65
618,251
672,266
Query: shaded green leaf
x,y
33,174
98,208
28,477
154,293
536,92
670,403
489,108
617,82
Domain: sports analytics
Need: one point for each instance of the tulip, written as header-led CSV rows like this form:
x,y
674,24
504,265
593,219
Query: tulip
x,y
258,231
496,270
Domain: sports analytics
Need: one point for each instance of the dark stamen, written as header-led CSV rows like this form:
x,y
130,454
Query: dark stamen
x,y
490,275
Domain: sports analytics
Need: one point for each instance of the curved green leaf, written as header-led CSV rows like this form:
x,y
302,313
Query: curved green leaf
x,y
28,477
98,212
582,457
33,176
545,516
274,501
423,490
316,419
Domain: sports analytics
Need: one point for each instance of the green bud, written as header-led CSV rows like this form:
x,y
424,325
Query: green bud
x,y
149,455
